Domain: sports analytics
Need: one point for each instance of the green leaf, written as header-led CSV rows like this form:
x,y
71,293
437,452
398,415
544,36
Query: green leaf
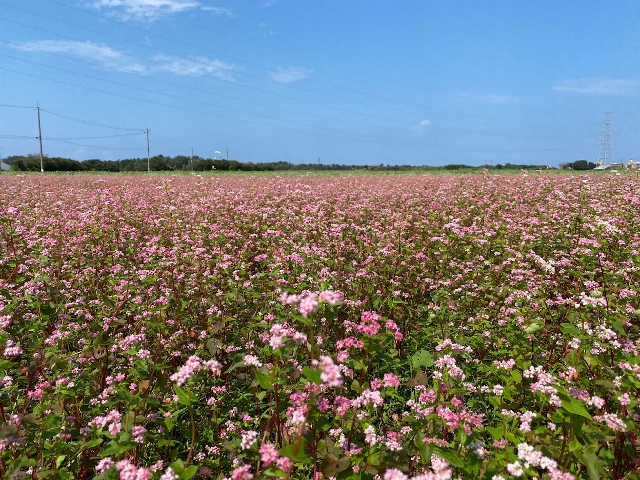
x,y
575,445
591,361
422,358
425,448
533,328
6,365
605,383
177,466
419,379
92,443
312,375
128,420
331,465
189,472
275,472
299,318
574,406
183,396
571,329
358,365
496,432
264,379
299,456
212,346
169,422
450,456
59,460
590,460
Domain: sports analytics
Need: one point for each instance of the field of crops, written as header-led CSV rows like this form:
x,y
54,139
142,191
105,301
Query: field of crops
x,y
307,327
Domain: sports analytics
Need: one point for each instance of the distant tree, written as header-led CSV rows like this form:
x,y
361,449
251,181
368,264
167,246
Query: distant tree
x,y
582,165
95,165
455,166
10,160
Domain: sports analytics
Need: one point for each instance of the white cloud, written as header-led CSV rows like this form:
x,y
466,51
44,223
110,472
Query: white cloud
x,y
106,56
263,30
290,74
268,3
422,125
489,98
218,11
196,66
151,10
600,86
111,59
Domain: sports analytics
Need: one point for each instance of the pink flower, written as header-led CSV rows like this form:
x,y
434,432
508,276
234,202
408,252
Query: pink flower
x,y
394,474
104,465
242,473
187,371
248,439
268,453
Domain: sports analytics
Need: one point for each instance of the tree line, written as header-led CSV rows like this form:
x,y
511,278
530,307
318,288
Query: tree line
x,y
162,163
157,163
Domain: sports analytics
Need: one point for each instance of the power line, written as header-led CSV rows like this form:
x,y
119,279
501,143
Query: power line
x,y
193,60
85,121
93,138
200,62
434,127
14,106
93,146
244,100
195,88
268,117
197,61
18,137
265,67
259,103
378,142
200,102
294,87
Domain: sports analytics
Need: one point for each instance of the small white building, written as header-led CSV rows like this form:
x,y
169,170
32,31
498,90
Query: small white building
x,y
632,165
4,167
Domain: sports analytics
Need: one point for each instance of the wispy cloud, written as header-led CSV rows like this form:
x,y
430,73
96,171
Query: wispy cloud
x,y
422,125
219,11
195,66
600,86
263,30
290,74
102,54
111,59
151,10
489,98
268,3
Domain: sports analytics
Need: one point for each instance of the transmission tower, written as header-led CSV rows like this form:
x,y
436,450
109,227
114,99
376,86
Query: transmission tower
x,y
605,153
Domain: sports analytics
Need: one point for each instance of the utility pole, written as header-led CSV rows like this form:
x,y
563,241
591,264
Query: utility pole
x,y
227,154
146,130
191,159
605,153
40,138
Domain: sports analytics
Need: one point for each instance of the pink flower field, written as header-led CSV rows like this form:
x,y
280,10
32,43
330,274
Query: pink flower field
x,y
319,327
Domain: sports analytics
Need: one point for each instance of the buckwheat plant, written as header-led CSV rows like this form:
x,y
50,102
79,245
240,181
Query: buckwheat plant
x,y
357,327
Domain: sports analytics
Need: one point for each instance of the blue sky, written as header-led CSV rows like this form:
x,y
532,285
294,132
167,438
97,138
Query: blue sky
x,y
359,82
